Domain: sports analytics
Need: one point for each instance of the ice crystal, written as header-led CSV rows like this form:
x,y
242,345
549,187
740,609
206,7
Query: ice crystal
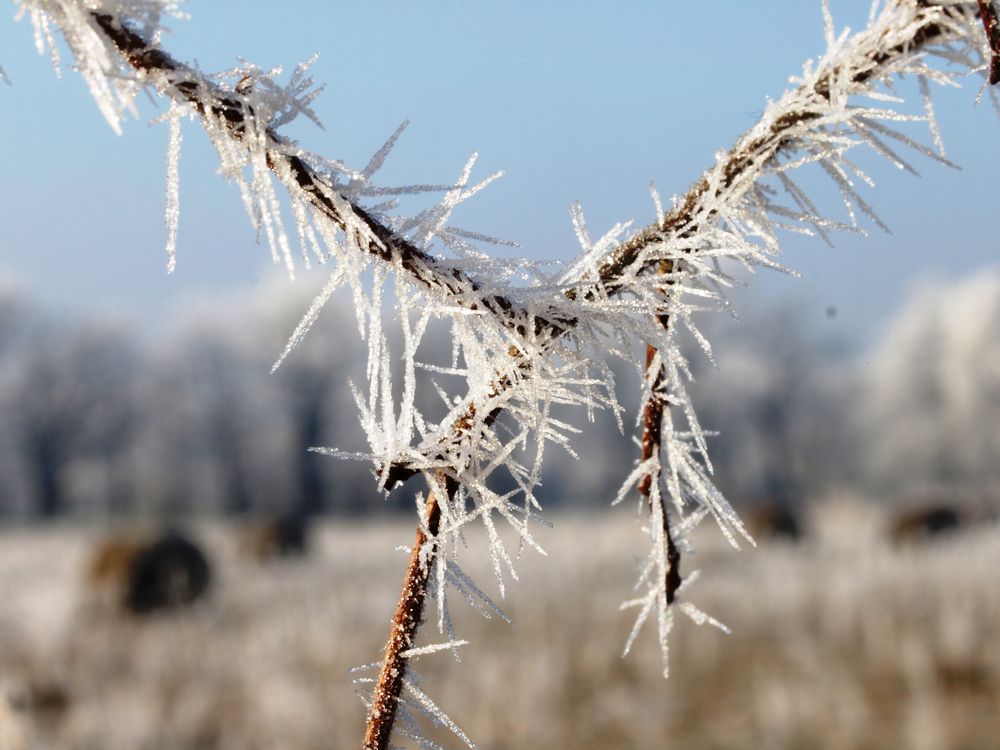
x,y
173,209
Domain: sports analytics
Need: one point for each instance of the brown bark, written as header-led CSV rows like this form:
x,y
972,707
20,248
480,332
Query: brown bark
x,y
409,613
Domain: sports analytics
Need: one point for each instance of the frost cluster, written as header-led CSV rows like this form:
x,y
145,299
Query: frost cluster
x,y
531,339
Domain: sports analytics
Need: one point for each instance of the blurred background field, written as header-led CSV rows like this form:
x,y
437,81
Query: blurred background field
x,y
871,621
840,640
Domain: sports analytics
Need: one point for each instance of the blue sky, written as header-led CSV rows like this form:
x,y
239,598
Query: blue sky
x,y
585,101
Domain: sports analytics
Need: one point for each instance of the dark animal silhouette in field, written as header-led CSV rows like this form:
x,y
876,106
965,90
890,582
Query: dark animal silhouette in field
x,y
774,521
275,538
928,522
144,576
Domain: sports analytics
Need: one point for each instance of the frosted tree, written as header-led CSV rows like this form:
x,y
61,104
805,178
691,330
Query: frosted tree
x,y
65,395
934,385
781,397
530,339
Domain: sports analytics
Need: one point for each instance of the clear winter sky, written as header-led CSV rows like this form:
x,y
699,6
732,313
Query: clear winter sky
x,y
583,101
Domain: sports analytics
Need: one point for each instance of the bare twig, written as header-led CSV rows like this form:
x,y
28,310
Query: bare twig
x,y
409,613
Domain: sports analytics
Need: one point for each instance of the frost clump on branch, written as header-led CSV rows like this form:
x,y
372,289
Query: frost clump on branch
x,y
527,342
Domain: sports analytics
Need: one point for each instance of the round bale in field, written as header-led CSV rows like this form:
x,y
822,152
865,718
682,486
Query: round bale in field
x,y
925,523
275,538
773,521
144,575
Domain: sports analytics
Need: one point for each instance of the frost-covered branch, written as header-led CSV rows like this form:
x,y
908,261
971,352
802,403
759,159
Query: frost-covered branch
x,y
732,212
239,115
652,437
527,341
728,213
818,104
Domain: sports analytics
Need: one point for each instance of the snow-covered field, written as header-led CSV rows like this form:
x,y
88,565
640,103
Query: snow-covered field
x,y
842,642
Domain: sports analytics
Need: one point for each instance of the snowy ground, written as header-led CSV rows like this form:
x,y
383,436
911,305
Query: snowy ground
x,y
841,642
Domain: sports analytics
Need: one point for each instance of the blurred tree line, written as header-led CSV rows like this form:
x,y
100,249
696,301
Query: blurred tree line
x,y
99,420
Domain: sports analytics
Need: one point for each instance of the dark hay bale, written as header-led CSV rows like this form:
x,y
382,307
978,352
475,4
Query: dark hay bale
x,y
925,523
275,538
774,521
48,701
170,572
142,574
